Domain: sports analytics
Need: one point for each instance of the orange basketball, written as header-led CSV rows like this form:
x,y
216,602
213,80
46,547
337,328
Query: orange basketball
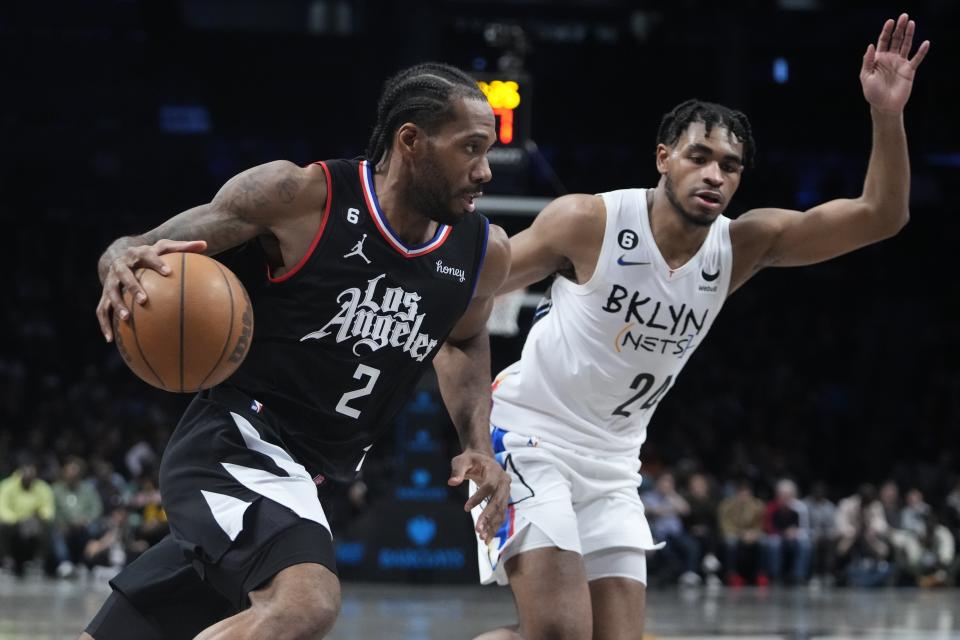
x,y
194,329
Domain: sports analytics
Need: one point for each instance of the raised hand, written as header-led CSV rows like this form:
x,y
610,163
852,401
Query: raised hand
x,y
887,72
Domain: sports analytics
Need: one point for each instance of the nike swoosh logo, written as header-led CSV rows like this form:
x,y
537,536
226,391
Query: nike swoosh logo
x,y
709,277
627,263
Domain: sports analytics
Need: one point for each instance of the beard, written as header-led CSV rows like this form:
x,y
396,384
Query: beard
x,y
687,216
431,195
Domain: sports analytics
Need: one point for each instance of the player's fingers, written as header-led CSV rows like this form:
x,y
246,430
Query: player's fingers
x,y
116,302
497,507
150,257
897,38
459,467
921,53
128,282
868,59
187,246
483,491
907,43
883,43
103,317
492,517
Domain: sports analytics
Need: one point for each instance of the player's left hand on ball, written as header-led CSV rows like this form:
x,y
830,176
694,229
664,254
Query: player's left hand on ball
x,y
493,485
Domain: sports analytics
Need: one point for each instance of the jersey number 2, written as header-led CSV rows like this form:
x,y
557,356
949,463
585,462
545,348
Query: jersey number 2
x,y
362,370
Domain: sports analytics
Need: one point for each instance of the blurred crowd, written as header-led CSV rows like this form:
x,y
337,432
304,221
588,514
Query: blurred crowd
x,y
733,532
89,517
80,516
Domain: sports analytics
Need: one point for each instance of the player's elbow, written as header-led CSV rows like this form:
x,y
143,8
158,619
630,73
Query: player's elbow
x,y
896,220
884,221
903,220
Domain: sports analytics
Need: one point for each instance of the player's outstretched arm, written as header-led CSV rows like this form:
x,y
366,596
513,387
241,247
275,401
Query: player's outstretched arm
x,y
779,237
567,233
256,201
463,372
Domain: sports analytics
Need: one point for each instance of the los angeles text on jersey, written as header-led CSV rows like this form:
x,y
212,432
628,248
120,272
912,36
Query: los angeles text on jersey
x,y
392,321
669,329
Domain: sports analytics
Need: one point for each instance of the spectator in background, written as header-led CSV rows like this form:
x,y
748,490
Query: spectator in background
x,y
862,549
890,501
915,513
665,508
741,523
141,457
936,565
951,510
117,546
150,523
26,514
924,548
786,525
701,525
904,544
110,485
78,509
823,535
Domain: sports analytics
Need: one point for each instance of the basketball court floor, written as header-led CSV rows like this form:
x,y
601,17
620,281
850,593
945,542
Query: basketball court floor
x,y
36,609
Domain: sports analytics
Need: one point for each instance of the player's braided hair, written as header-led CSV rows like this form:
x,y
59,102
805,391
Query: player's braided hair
x,y
676,121
422,94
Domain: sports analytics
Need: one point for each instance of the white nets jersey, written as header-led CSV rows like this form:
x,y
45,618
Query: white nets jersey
x,y
601,355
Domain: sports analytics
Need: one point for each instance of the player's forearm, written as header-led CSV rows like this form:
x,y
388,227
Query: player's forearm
x,y
220,228
886,188
172,229
463,372
520,280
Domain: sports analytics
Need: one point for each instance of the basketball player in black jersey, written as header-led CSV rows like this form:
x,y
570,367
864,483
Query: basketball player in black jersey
x,y
361,273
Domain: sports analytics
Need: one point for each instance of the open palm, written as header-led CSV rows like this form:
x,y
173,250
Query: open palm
x,y
887,72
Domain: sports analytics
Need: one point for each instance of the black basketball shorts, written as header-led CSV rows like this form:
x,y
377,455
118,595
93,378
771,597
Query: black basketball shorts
x,y
240,510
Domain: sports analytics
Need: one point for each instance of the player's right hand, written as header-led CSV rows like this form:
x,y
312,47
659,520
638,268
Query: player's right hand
x,y
121,276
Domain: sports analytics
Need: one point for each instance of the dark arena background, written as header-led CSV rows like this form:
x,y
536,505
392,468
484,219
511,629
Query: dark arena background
x,y
116,114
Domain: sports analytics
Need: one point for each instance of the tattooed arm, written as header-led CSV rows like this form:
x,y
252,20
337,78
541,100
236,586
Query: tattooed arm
x,y
277,198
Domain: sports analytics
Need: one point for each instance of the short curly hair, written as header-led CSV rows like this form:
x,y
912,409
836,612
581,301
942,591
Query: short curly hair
x,y
676,121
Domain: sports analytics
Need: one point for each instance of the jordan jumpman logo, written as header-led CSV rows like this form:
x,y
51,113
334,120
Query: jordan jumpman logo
x,y
358,250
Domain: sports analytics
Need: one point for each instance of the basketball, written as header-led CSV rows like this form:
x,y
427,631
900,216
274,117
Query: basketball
x,y
194,329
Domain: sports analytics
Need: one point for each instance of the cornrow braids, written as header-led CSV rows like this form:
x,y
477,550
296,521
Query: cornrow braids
x,y
676,121
422,94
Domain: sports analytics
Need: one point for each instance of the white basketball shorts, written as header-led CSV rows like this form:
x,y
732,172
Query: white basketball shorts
x,y
570,500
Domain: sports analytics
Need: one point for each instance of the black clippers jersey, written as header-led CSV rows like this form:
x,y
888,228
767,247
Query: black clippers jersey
x,y
341,339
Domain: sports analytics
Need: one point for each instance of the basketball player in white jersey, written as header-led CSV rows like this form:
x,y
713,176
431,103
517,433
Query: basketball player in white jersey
x,y
641,276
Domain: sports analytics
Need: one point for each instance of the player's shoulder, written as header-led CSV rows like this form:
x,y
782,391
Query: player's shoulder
x,y
573,213
497,239
496,262
567,222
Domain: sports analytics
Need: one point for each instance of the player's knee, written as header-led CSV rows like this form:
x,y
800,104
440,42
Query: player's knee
x,y
305,619
560,627
321,617
301,605
312,622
